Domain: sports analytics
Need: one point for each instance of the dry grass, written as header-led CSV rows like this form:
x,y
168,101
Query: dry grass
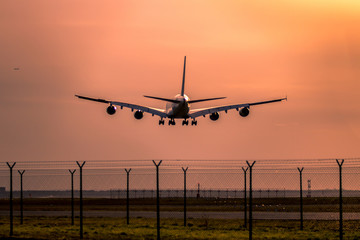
x,y
115,228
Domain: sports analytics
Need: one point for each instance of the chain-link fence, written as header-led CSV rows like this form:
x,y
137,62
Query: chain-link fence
x,y
215,189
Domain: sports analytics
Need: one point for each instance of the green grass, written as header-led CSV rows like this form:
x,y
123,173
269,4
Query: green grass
x,y
140,228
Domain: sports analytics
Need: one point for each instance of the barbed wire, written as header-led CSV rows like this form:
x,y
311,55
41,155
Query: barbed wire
x,y
189,160
196,166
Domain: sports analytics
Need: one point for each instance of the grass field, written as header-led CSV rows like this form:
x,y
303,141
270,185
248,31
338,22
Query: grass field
x,y
115,228
204,228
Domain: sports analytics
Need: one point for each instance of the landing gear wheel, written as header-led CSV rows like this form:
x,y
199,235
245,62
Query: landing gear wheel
x,y
193,122
185,122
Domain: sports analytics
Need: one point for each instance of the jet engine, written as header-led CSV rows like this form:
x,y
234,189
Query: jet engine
x,y
138,114
214,116
244,112
111,110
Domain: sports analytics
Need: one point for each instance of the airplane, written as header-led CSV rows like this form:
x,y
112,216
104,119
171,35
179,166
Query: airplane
x,y
179,107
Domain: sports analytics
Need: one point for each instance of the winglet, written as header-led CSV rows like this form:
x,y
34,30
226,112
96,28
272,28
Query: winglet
x,y
183,81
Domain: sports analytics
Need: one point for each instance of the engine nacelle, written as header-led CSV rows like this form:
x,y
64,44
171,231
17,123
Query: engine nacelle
x,y
214,116
138,114
111,110
244,112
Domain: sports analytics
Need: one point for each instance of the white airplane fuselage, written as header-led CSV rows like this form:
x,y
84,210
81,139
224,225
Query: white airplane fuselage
x,y
178,110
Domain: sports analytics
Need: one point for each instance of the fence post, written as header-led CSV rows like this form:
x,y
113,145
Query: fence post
x,y
245,203
340,197
301,201
72,195
250,199
21,197
127,195
185,169
81,199
157,199
11,198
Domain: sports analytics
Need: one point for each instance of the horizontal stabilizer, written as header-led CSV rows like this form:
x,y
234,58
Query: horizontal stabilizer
x,y
207,99
163,99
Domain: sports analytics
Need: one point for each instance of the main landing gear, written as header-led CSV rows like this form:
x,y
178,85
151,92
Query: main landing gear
x,y
172,122
184,122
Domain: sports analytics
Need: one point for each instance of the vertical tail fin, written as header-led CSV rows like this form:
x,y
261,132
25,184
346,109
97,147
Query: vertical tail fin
x,y
183,81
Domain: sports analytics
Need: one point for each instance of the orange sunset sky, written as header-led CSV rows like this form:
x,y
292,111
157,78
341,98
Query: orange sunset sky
x,y
121,50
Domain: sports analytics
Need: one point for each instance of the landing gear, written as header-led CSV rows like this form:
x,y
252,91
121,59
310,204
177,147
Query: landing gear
x,y
193,122
172,122
185,122
161,122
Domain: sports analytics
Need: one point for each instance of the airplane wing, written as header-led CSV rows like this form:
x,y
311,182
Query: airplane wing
x,y
204,111
153,111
